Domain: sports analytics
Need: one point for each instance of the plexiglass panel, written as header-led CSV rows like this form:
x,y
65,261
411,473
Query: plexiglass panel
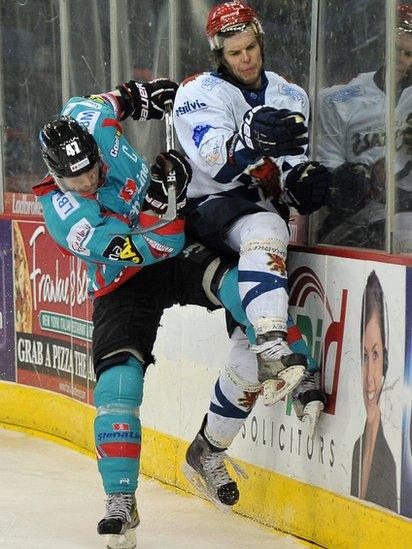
x,y
351,117
31,85
87,51
143,54
402,241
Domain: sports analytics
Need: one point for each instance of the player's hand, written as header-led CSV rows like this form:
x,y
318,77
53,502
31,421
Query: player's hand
x,y
274,132
352,186
148,99
307,187
169,166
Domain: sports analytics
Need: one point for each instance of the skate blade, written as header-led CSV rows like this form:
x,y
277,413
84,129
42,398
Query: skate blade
x,y
198,482
275,389
311,414
123,541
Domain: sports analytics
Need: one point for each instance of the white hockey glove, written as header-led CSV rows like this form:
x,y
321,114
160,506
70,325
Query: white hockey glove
x,y
274,132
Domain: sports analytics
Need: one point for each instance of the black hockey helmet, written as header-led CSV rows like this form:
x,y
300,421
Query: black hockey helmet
x,y
68,148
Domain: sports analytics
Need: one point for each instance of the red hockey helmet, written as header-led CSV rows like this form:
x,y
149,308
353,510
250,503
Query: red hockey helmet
x,y
405,17
229,17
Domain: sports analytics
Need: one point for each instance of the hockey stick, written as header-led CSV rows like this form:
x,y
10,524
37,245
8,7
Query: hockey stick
x,y
171,211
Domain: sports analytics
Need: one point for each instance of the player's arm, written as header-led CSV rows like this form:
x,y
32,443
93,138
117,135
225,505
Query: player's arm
x,y
208,132
80,226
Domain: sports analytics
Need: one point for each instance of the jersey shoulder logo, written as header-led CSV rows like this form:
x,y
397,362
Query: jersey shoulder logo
x,y
88,119
293,93
64,204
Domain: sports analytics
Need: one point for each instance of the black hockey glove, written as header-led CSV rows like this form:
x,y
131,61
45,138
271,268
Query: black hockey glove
x,y
166,163
351,187
146,100
274,132
307,187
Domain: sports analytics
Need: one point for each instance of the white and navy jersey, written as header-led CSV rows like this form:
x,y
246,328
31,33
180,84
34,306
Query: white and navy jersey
x,y
352,124
208,113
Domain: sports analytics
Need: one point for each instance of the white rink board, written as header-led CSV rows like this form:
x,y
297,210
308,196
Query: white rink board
x,y
178,388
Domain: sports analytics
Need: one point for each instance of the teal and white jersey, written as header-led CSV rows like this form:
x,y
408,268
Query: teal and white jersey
x,y
96,227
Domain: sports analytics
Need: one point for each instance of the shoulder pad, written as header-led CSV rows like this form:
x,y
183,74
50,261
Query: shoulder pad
x,y
46,186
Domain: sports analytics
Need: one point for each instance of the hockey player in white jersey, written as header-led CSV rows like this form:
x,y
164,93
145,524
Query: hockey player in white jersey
x,y
243,129
352,143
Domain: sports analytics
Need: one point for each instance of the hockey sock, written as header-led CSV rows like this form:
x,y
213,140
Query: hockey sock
x,y
117,430
298,344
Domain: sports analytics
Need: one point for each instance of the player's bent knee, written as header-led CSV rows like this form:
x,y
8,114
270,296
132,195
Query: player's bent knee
x,y
121,385
266,226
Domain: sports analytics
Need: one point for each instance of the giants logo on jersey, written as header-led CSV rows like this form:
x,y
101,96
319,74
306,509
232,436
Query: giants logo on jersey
x,y
128,191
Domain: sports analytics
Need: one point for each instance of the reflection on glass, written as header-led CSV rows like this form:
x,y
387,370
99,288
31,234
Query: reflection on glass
x,y
402,241
351,141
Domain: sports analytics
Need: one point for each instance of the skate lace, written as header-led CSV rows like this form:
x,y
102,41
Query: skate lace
x,y
119,506
275,349
215,469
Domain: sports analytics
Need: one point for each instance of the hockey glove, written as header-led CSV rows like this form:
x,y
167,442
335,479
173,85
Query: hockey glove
x,y
166,163
146,100
351,187
274,132
307,187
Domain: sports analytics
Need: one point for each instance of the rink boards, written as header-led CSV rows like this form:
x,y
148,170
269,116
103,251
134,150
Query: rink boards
x,y
298,485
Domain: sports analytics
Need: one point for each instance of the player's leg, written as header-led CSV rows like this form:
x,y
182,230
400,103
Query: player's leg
x,y
125,326
262,239
233,398
307,398
117,397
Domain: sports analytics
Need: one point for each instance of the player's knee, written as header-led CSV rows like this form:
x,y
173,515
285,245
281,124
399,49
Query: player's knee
x,y
120,385
264,228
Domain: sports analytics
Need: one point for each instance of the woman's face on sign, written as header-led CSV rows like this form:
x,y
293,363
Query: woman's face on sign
x,y
372,365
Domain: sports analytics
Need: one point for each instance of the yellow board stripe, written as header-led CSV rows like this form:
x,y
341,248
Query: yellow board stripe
x,y
306,511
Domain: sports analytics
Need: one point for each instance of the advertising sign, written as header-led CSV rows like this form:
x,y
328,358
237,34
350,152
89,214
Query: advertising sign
x,y
406,486
7,365
53,327
352,315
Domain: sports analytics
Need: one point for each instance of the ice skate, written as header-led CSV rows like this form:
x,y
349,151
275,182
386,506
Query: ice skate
x,y
279,369
308,402
120,521
205,469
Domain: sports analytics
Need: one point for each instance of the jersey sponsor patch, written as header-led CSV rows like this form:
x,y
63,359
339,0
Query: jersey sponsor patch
x,y
79,236
64,204
88,119
293,93
128,191
213,150
157,249
114,151
341,96
210,82
190,106
122,249
199,132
